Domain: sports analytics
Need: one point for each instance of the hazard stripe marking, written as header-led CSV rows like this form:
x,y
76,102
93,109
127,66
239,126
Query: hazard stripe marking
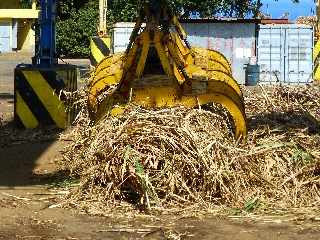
x,y
32,100
51,78
104,49
100,48
24,113
93,60
96,53
49,99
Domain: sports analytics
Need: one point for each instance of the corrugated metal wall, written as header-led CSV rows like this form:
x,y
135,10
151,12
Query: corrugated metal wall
x,y
237,41
5,36
285,53
121,35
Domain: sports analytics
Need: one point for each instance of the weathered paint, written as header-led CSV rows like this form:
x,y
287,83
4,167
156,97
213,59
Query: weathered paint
x,y
38,97
285,54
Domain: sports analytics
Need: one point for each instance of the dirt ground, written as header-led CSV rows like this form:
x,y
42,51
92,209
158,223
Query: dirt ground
x,y
29,198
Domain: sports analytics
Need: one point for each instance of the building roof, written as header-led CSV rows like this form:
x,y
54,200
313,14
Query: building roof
x,y
11,9
236,20
217,20
275,21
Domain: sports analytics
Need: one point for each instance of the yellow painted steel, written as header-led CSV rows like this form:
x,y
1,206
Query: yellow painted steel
x,y
192,76
144,55
108,62
24,113
208,58
48,98
99,49
19,13
107,74
316,59
217,75
167,97
163,54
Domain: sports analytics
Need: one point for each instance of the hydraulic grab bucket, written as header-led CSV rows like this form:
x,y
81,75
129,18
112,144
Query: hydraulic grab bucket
x,y
160,70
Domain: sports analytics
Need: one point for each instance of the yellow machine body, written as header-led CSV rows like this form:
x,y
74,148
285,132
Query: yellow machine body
x,y
316,48
161,70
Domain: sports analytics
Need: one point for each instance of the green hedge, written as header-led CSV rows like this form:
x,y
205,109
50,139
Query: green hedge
x,y
74,33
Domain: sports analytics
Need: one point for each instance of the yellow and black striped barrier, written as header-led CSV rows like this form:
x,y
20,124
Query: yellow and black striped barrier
x,y
99,49
316,61
39,100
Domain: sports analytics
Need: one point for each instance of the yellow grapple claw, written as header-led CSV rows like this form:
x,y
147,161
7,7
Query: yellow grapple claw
x,y
160,69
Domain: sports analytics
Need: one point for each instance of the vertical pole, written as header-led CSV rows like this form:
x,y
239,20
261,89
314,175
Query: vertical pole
x,y
318,19
316,47
34,5
103,6
47,53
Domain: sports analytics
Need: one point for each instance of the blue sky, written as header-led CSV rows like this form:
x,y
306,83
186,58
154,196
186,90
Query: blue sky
x,y
277,8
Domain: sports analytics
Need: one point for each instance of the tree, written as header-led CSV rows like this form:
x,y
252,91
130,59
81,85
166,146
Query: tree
x,y
66,8
76,24
120,10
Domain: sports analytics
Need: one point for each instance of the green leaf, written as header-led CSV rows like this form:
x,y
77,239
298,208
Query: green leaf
x,y
252,204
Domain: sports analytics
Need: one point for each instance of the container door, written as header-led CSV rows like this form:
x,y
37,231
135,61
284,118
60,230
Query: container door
x,y
121,36
299,55
270,54
5,32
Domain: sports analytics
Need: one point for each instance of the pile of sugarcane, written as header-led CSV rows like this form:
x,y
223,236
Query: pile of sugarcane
x,y
181,156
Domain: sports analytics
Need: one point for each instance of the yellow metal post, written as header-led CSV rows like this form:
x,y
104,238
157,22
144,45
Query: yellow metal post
x,y
103,6
101,44
316,49
34,5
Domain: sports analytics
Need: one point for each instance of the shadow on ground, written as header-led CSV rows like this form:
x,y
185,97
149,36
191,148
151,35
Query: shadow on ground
x,y
290,120
6,96
28,157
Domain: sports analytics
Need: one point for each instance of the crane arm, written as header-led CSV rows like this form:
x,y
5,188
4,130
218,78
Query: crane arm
x,y
103,7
